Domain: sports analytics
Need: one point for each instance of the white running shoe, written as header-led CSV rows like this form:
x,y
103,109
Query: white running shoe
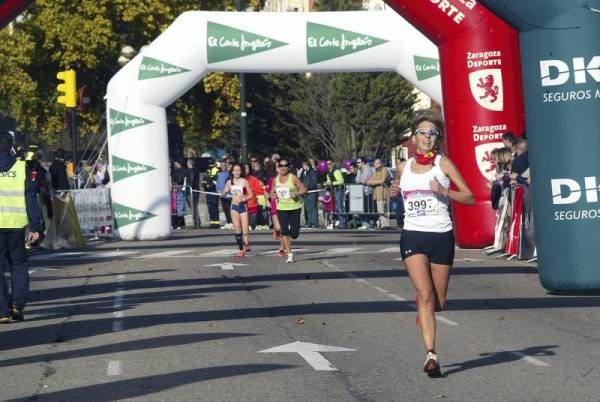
x,y
330,226
432,365
290,258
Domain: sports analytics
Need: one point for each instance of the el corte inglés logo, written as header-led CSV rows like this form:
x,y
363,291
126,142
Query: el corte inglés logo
x,y
325,42
124,215
120,122
122,168
154,68
226,43
426,67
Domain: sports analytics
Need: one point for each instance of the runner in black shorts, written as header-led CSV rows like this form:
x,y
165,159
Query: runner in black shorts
x,y
427,243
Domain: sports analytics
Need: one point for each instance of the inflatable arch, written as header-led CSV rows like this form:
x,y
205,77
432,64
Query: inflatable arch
x,y
200,42
561,72
481,82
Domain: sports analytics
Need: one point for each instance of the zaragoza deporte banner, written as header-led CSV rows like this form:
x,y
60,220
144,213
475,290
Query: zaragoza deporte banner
x,y
560,48
200,42
481,83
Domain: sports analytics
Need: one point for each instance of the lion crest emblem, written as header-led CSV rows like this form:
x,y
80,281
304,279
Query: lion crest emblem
x,y
487,88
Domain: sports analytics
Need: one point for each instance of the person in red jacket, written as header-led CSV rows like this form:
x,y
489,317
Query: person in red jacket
x,y
257,187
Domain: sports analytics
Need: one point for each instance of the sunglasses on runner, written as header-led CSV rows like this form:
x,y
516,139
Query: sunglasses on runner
x,y
431,132
283,165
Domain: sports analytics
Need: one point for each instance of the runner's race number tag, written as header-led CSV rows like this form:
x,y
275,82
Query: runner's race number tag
x,y
237,190
421,203
282,192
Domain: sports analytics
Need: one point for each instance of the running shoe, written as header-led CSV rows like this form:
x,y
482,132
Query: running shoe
x,y
4,320
290,258
16,314
432,365
241,254
276,235
282,253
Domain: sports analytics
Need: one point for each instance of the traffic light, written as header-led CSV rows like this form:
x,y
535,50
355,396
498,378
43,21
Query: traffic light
x,y
68,88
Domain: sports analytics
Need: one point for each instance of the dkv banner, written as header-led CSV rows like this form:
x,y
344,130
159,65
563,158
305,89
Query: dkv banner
x,y
481,82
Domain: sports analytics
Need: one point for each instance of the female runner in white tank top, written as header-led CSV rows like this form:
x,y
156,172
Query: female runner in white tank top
x,y
427,242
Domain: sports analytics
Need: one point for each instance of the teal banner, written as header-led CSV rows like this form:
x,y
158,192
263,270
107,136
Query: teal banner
x,y
561,69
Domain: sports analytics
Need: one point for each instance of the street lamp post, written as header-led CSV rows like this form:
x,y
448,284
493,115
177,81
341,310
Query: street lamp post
x,y
243,132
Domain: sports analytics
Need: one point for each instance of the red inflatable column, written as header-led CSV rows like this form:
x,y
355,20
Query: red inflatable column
x,y
10,9
482,88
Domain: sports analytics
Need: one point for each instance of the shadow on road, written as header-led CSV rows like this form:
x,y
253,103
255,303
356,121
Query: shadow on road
x,y
120,347
138,387
493,358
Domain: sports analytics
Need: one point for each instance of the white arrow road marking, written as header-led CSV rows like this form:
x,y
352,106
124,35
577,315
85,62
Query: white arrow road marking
x,y
37,269
227,266
164,254
310,352
530,359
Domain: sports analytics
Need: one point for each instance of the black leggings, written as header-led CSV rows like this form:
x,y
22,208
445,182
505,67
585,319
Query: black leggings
x,y
290,222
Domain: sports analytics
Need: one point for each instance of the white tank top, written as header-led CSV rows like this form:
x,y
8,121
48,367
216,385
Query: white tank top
x,y
424,210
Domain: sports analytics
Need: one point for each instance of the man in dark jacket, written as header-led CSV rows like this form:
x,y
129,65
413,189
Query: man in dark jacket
x,y
308,176
193,181
58,171
19,208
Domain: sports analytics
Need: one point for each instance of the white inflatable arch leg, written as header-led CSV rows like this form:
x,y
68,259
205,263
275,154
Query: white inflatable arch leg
x,y
200,42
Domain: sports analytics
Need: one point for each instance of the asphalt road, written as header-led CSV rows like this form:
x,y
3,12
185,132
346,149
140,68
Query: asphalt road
x,y
167,320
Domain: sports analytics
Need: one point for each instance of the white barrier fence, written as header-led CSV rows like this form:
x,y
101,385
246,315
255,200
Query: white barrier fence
x,y
94,209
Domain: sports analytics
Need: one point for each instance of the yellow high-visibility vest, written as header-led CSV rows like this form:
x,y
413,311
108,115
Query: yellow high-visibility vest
x,y
13,211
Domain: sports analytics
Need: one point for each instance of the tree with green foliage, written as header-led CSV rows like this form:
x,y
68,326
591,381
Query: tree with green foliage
x,y
87,36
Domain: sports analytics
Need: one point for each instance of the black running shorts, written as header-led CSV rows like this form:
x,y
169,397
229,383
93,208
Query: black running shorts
x,y
438,247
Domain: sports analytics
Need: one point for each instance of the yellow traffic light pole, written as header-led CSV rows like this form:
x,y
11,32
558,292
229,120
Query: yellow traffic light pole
x,y
68,96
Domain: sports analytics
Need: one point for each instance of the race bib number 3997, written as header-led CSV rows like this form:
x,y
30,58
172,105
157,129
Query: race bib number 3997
x,y
421,203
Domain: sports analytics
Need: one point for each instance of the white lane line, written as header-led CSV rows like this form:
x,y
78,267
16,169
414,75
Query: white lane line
x,y
531,360
381,290
56,255
118,314
121,278
219,253
390,250
118,303
37,269
389,294
82,255
275,252
439,318
396,297
114,368
341,250
165,254
445,320
117,326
